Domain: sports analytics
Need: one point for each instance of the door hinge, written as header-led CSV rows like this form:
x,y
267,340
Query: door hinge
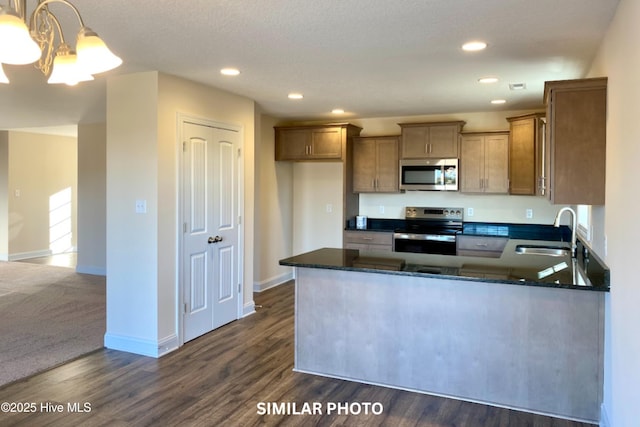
x,y
239,151
184,227
239,288
185,308
184,146
239,220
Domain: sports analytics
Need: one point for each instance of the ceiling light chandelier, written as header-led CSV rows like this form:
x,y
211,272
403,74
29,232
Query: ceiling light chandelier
x,y
25,42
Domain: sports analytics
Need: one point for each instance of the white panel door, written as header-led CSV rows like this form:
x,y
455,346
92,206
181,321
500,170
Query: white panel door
x,y
210,263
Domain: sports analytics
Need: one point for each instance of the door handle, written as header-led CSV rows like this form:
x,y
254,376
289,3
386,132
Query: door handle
x,y
214,239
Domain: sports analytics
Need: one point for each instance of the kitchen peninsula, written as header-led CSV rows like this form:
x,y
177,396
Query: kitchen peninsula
x,y
521,331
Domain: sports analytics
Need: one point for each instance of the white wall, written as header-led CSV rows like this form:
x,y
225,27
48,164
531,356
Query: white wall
x,y
317,205
274,211
42,182
92,199
132,239
619,60
142,164
4,195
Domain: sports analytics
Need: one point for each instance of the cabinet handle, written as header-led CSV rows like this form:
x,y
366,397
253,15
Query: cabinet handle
x,y
426,148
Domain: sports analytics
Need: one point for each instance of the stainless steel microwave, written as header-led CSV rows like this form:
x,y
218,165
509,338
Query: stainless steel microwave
x,y
429,174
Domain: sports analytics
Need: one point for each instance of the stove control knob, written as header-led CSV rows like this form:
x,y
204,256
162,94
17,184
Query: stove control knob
x,y
446,212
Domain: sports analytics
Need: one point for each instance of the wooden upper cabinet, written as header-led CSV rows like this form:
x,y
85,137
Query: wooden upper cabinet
x,y
375,164
430,140
525,154
304,143
575,144
484,163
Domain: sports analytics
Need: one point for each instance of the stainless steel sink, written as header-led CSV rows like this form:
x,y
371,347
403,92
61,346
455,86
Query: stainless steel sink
x,y
543,250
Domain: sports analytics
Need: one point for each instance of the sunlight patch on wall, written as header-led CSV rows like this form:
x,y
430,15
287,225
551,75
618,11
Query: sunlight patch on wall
x,y
60,224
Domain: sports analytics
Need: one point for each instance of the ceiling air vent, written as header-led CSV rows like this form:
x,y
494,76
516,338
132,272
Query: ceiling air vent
x,y
517,86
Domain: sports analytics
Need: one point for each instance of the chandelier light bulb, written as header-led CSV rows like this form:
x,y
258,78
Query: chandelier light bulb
x,y
16,45
93,54
65,68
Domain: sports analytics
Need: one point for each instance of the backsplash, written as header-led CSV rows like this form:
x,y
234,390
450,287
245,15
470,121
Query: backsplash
x,y
485,207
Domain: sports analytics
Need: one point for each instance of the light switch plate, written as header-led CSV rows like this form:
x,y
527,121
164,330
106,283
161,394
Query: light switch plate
x,y
469,211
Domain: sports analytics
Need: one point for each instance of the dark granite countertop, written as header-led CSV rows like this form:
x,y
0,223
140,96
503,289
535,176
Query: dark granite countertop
x,y
586,272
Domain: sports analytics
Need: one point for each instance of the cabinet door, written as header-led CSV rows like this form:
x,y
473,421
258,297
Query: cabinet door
x,y
496,164
415,142
443,141
522,157
326,143
292,144
472,164
364,165
578,146
387,165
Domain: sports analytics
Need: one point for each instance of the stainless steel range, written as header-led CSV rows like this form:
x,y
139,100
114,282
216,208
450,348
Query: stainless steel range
x,y
429,230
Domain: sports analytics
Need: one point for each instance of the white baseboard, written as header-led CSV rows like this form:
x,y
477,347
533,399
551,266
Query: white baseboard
x,y
139,346
273,282
248,308
31,254
94,271
604,418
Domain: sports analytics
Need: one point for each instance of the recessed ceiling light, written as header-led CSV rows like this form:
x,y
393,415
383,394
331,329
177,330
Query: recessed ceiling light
x,y
488,80
498,101
230,71
474,46
295,96
337,111
517,86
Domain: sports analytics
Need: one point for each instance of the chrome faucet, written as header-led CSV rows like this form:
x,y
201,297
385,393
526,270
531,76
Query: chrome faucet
x,y
556,223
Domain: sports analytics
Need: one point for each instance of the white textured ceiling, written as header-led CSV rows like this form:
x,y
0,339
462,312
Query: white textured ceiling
x,y
372,58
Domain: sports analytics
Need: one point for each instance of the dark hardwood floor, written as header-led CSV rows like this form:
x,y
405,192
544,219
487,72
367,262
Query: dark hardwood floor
x,y
221,379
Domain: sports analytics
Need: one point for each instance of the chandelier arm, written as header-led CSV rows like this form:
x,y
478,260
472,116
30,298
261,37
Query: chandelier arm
x,y
41,5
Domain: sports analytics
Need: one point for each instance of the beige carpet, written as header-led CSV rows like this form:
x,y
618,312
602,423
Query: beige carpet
x,y
48,315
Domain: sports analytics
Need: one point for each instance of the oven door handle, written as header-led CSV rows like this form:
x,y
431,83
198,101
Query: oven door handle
x,y
432,237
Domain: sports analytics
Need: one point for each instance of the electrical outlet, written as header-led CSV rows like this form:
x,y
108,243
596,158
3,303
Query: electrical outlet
x,y
529,213
141,206
469,211
329,208
381,209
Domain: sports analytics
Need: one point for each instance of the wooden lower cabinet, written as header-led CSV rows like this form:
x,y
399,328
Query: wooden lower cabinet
x,y
375,165
484,163
369,240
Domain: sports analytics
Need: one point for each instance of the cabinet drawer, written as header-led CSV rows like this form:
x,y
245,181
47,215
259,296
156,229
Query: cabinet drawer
x,y
490,247
369,237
